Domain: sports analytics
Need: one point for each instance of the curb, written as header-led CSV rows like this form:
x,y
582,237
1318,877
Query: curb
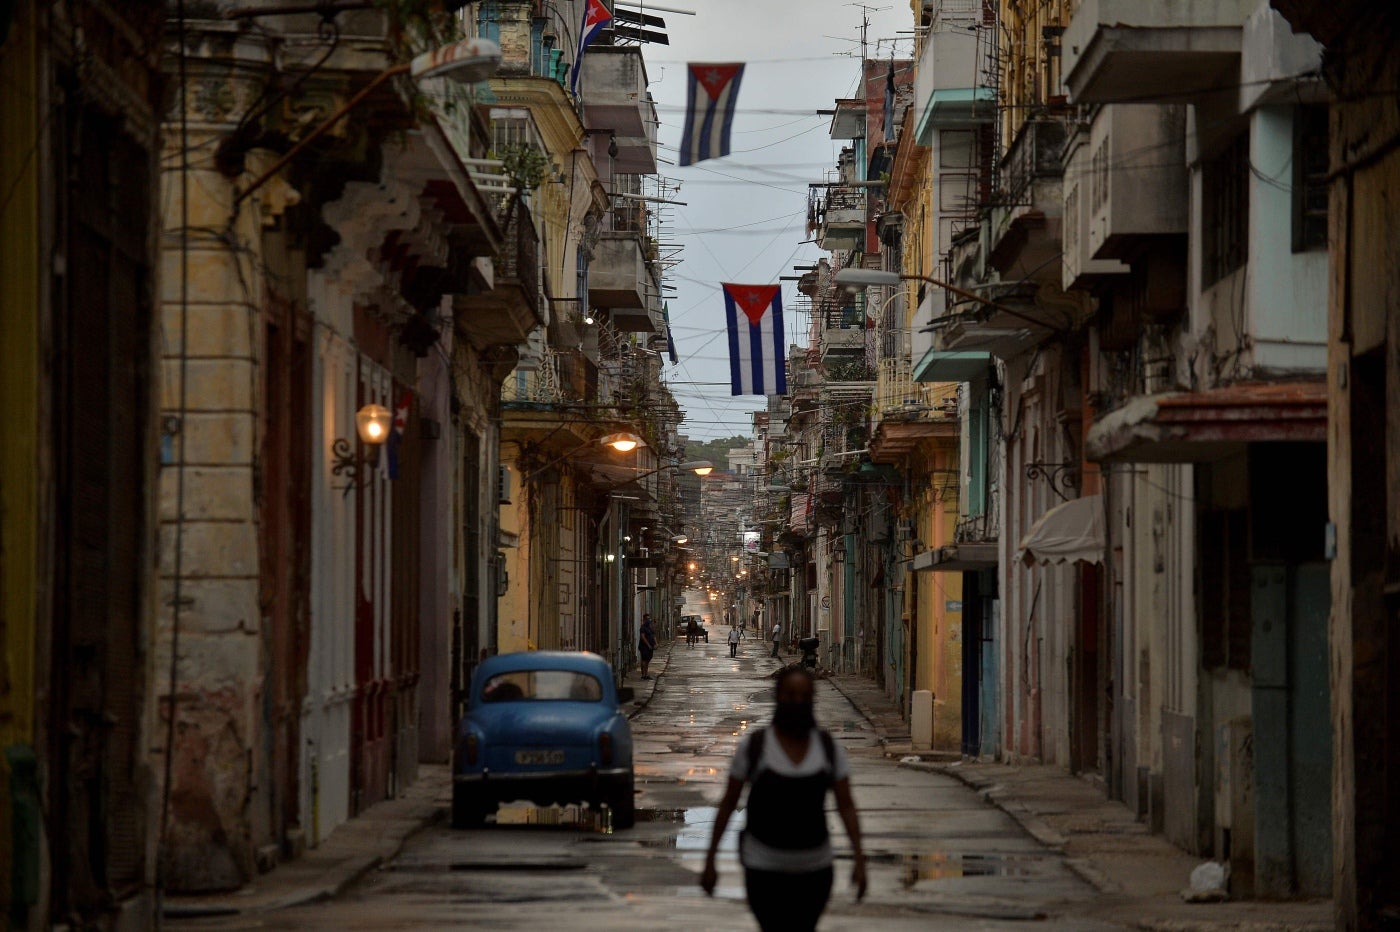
x,y
1022,816
334,882
640,706
879,732
884,737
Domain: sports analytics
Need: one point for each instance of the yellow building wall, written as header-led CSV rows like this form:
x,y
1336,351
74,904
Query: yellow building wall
x,y
20,376
939,622
513,608
1029,74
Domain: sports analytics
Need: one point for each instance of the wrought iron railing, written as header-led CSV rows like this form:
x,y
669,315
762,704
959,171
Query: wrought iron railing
x,y
519,261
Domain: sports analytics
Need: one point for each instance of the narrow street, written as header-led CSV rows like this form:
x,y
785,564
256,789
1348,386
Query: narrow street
x,y
941,858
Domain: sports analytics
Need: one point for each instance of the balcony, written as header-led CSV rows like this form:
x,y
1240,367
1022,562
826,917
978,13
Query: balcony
x,y
1025,225
1138,186
617,275
909,412
945,91
617,101
900,396
851,371
839,344
841,218
507,312
563,376
1118,50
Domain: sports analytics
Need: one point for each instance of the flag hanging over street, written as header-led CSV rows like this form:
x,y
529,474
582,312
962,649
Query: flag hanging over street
x,y
757,345
595,19
711,89
670,340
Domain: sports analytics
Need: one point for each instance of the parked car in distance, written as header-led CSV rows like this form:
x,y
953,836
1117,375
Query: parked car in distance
x,y
697,624
543,726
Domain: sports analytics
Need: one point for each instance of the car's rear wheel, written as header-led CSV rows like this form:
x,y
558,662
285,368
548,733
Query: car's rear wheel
x,y
468,810
623,803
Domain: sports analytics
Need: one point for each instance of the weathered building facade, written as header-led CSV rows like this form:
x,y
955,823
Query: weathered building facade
x,y
81,94
325,266
1362,171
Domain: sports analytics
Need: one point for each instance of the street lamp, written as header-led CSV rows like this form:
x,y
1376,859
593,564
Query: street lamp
x,y
878,278
622,442
372,423
699,467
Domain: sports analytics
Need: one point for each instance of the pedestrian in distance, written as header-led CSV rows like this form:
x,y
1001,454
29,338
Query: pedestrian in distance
x,y
646,645
735,636
777,638
785,849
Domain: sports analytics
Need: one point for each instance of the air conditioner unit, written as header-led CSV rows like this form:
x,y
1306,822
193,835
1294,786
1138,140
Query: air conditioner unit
x,y
503,485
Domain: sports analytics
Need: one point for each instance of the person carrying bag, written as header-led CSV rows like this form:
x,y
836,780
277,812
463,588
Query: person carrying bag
x,y
785,848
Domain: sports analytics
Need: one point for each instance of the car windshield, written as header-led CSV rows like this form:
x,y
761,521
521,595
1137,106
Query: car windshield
x,y
526,685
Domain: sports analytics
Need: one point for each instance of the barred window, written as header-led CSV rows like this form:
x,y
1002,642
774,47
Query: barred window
x,y
1310,178
1225,211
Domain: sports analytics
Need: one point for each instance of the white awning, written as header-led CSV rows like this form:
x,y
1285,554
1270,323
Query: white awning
x,y
1067,533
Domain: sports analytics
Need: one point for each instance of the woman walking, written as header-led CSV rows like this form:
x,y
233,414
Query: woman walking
x,y
786,849
646,645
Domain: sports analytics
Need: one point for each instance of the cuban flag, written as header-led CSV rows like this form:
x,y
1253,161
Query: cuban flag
x,y
396,433
595,19
757,358
711,91
670,339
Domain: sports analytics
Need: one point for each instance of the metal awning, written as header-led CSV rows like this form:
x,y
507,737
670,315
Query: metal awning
x,y
1195,427
1068,533
951,366
955,558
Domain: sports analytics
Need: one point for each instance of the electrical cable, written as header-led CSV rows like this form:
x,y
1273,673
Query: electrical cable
x,y
182,407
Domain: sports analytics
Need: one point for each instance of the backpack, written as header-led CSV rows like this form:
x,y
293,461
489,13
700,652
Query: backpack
x,y
755,750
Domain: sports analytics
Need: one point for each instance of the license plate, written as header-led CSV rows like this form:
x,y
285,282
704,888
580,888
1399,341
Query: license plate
x,y
539,757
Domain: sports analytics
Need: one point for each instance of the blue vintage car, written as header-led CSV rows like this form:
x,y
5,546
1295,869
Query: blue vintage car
x,y
543,726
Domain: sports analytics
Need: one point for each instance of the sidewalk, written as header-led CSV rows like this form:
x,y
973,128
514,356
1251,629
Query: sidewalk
x,y
1140,875
362,844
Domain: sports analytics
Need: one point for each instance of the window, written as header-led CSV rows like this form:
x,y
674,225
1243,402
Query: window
x,y
1310,178
1225,211
542,684
1226,620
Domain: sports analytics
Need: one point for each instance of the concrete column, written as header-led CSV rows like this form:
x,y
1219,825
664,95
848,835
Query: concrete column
x,y
211,285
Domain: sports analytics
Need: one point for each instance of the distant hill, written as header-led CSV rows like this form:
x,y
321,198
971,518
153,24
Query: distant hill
x,y
716,451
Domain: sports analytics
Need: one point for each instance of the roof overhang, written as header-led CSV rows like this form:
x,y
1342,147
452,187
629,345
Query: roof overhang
x,y
955,107
951,365
957,558
1195,427
848,122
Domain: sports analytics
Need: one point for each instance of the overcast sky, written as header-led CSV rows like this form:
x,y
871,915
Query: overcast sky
x,y
745,218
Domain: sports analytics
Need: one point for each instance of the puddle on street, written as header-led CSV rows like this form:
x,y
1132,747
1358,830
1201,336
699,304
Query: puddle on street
x,y
581,818
692,839
914,868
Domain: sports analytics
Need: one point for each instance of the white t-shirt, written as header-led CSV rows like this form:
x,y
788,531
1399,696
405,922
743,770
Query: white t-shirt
x,y
777,630
734,635
754,853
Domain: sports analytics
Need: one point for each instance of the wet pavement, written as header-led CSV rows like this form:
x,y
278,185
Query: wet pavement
x,y
940,856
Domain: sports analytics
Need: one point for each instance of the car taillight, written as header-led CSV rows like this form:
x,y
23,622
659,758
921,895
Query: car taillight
x,y
605,753
471,749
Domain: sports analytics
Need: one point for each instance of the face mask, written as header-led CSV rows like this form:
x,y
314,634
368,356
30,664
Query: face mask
x,y
794,718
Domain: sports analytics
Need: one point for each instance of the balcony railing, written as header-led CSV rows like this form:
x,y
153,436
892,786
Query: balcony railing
x,y
897,395
854,371
519,261
1034,155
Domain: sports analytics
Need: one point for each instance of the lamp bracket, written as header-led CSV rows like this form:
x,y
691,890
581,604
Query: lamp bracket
x,y
354,468
1063,477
